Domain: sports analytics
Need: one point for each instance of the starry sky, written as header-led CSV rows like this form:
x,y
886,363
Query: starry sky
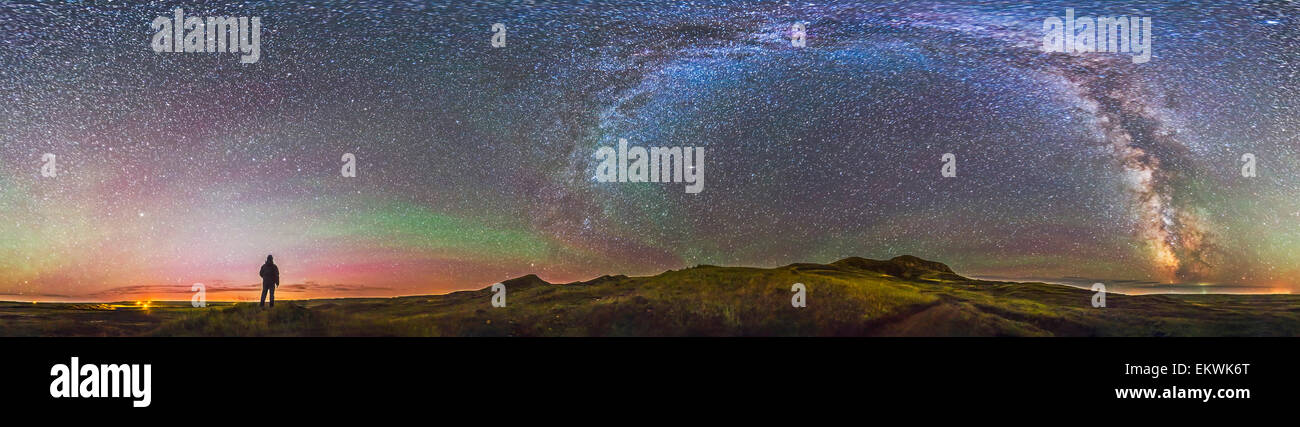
x,y
476,164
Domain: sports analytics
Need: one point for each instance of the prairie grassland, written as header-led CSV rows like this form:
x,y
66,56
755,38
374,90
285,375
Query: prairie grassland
x,y
905,296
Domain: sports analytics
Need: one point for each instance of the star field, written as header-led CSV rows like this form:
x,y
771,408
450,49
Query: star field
x,y
475,163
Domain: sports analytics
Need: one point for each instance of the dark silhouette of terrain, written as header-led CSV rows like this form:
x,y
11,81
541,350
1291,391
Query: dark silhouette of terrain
x,y
903,296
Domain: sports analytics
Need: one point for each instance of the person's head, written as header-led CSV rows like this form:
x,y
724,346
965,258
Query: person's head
x,y
269,259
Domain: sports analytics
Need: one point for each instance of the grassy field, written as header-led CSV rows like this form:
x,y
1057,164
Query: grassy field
x,y
905,296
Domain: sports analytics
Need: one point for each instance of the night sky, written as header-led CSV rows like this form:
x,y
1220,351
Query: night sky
x,y
476,164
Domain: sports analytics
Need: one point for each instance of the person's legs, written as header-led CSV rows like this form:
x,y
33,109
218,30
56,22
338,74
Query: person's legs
x,y
272,288
264,289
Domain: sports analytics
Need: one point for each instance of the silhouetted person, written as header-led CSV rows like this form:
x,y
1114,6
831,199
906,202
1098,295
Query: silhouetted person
x,y
270,280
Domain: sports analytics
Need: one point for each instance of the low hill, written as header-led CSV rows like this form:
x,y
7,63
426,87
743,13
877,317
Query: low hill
x,y
906,266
